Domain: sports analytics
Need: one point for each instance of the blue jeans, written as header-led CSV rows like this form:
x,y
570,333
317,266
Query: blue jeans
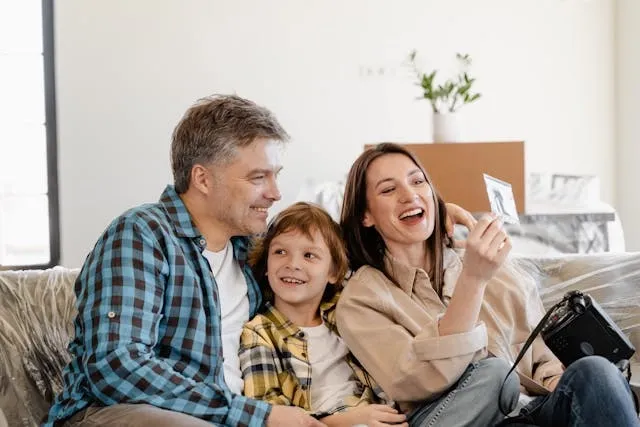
x,y
473,400
591,392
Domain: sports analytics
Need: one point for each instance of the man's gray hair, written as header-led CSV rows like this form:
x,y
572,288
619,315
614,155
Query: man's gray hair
x,y
213,128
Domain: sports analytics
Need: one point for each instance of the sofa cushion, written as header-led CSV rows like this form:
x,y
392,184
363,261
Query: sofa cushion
x,y
36,325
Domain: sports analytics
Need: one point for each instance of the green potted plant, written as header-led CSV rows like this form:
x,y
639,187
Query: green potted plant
x,y
447,97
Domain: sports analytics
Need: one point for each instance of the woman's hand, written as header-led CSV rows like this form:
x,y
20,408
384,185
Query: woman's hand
x,y
369,415
458,215
487,248
553,383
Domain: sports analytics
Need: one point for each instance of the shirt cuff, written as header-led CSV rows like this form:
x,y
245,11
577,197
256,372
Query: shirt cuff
x,y
428,345
244,411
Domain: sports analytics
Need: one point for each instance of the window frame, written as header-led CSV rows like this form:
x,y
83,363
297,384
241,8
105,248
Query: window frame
x,y
51,140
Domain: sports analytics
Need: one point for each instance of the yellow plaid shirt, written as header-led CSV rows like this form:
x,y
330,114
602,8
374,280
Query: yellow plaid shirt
x,y
268,345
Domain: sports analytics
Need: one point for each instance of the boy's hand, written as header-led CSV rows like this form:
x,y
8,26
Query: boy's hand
x,y
291,416
377,416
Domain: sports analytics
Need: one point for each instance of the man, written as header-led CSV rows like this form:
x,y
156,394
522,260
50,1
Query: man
x,y
164,294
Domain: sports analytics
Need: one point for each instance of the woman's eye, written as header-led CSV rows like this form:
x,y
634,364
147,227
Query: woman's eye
x,y
387,190
419,181
278,251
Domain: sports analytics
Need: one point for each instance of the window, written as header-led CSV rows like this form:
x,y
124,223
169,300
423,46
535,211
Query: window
x,y
29,228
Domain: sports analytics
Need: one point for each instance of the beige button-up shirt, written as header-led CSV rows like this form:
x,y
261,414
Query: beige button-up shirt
x,y
392,328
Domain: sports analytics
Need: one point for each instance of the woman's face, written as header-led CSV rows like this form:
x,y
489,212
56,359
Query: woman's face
x,y
400,202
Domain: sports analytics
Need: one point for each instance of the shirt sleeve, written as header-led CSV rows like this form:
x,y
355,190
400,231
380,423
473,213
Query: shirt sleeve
x,y
120,300
408,366
259,369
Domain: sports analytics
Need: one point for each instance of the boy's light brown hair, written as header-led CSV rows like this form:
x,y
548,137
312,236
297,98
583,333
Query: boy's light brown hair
x,y
305,218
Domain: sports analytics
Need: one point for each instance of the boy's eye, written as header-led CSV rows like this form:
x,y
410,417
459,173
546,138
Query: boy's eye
x,y
310,255
278,251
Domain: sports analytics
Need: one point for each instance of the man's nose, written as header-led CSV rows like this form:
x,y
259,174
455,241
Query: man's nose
x,y
273,192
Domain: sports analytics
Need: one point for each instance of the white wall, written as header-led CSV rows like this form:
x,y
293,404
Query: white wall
x,y
127,70
628,125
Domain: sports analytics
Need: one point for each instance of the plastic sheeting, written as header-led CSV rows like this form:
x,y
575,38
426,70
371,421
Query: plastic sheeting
x,y
613,280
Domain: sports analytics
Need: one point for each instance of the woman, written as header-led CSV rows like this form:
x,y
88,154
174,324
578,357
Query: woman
x,y
438,329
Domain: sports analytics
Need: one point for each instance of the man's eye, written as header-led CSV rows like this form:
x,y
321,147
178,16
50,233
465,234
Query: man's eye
x,y
257,177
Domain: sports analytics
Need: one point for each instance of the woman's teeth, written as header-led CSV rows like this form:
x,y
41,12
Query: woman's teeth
x,y
412,212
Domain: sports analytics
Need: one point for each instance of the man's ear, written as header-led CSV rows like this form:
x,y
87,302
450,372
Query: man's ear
x,y
201,178
367,221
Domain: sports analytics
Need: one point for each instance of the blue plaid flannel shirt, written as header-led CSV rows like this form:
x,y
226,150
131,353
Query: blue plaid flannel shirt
x,y
148,323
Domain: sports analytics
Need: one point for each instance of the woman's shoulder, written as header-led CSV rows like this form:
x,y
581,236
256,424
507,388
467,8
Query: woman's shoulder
x,y
367,286
366,274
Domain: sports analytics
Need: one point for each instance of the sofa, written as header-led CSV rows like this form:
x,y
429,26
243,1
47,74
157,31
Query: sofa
x,y
37,310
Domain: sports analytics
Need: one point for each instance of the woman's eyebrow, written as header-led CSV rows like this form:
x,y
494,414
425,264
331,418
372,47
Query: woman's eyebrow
x,y
383,180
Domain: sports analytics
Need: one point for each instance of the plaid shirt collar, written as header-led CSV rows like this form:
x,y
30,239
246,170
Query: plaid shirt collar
x,y
184,227
178,213
288,329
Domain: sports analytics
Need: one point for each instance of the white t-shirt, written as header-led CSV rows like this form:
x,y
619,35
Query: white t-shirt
x,y
234,307
330,372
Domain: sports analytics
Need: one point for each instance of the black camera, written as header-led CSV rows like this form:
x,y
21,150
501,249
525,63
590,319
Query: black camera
x,y
577,327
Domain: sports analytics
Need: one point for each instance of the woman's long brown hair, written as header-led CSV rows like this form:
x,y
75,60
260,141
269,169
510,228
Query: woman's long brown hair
x,y
365,246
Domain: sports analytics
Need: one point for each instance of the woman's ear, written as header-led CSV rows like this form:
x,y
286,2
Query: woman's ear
x,y
367,221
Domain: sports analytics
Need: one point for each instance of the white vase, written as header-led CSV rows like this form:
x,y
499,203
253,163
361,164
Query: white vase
x,y
445,128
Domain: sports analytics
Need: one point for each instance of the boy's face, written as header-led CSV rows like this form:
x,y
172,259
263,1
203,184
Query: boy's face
x,y
298,269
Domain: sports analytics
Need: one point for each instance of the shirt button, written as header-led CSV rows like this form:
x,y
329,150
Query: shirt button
x,y
111,315
300,334
203,242
303,354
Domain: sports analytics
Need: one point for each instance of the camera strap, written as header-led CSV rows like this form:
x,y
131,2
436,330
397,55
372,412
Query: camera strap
x,y
524,349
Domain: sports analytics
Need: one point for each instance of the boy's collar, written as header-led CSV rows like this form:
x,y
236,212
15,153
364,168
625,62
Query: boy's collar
x,y
288,328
